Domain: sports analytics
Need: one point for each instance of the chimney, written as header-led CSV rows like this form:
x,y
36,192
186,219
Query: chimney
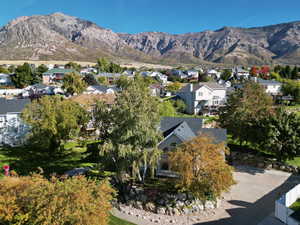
x,y
191,87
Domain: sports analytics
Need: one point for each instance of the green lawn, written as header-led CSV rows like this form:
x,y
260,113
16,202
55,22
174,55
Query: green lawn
x,y
116,221
296,205
294,162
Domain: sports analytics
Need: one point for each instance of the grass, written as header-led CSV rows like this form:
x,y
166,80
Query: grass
x,y
296,205
25,160
294,162
117,221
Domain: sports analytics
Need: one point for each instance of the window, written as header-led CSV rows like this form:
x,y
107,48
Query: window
x,y
200,94
216,102
165,166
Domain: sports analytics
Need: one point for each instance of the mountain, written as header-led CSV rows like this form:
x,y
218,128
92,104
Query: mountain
x,y
62,37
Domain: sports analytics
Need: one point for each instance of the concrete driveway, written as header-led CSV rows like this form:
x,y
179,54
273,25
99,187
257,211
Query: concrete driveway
x,y
250,201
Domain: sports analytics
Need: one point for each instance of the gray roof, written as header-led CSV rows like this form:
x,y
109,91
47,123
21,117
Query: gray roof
x,y
168,124
188,128
12,105
104,88
219,134
268,82
211,85
110,75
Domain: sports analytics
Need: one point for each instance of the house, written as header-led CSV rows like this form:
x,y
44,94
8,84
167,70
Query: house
x,y
12,130
5,80
129,72
240,73
192,74
55,75
214,74
112,77
88,70
156,90
179,73
101,89
13,92
272,87
202,96
176,130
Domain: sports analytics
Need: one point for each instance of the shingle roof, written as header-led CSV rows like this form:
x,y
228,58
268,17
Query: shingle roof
x,y
168,124
12,105
219,134
211,85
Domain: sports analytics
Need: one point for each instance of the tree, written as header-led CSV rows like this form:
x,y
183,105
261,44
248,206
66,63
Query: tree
x,y
53,120
4,70
202,168
129,130
292,88
40,70
73,83
179,105
226,74
254,71
23,76
166,108
36,200
282,135
90,79
74,66
265,71
102,65
244,110
173,87
295,73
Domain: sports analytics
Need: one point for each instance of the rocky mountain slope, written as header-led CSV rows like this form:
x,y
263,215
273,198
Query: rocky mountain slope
x,y
61,37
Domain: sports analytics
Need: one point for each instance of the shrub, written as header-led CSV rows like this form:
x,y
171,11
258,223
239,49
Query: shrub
x,y
35,200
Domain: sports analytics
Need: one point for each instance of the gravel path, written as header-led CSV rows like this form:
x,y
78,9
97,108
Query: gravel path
x,y
249,202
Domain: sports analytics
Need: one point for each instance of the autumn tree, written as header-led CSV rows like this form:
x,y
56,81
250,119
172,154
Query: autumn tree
x,y
254,71
201,167
73,83
36,200
244,110
52,121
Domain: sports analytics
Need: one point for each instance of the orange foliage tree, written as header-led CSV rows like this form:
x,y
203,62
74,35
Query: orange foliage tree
x,y
202,168
36,200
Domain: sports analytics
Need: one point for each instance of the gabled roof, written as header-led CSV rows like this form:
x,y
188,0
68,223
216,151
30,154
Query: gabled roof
x,y
12,105
104,88
169,124
210,85
219,134
58,70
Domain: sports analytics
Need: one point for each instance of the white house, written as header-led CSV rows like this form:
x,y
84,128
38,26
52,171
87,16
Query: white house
x,y
272,87
5,79
192,73
101,89
240,73
88,70
214,74
12,130
202,96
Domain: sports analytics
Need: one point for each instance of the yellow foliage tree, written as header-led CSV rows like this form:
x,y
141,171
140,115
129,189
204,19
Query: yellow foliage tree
x,y
37,201
202,168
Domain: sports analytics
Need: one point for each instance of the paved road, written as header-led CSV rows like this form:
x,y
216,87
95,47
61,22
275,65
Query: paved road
x,y
251,200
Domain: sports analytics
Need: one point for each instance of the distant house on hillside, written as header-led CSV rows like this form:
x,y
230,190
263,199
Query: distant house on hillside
x,y
202,96
12,129
240,73
5,80
55,75
177,130
272,87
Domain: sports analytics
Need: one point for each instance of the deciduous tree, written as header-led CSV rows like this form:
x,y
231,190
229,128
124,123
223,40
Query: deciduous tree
x,y
202,169
73,83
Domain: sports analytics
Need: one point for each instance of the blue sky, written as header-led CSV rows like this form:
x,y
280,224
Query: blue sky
x,y
173,16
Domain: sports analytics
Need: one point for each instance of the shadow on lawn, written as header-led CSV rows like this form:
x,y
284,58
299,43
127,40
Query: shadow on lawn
x,y
25,160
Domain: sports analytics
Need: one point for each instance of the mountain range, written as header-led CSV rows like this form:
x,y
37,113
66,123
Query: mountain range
x,y
62,37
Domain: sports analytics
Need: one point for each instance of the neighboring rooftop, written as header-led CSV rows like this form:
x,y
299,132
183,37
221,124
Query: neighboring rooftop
x,y
211,85
168,124
58,70
12,105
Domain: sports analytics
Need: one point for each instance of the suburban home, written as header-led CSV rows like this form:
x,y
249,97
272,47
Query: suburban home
x,y
88,70
12,129
179,73
192,73
177,130
112,77
15,92
156,90
240,73
55,75
214,74
101,89
203,96
272,87
5,80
